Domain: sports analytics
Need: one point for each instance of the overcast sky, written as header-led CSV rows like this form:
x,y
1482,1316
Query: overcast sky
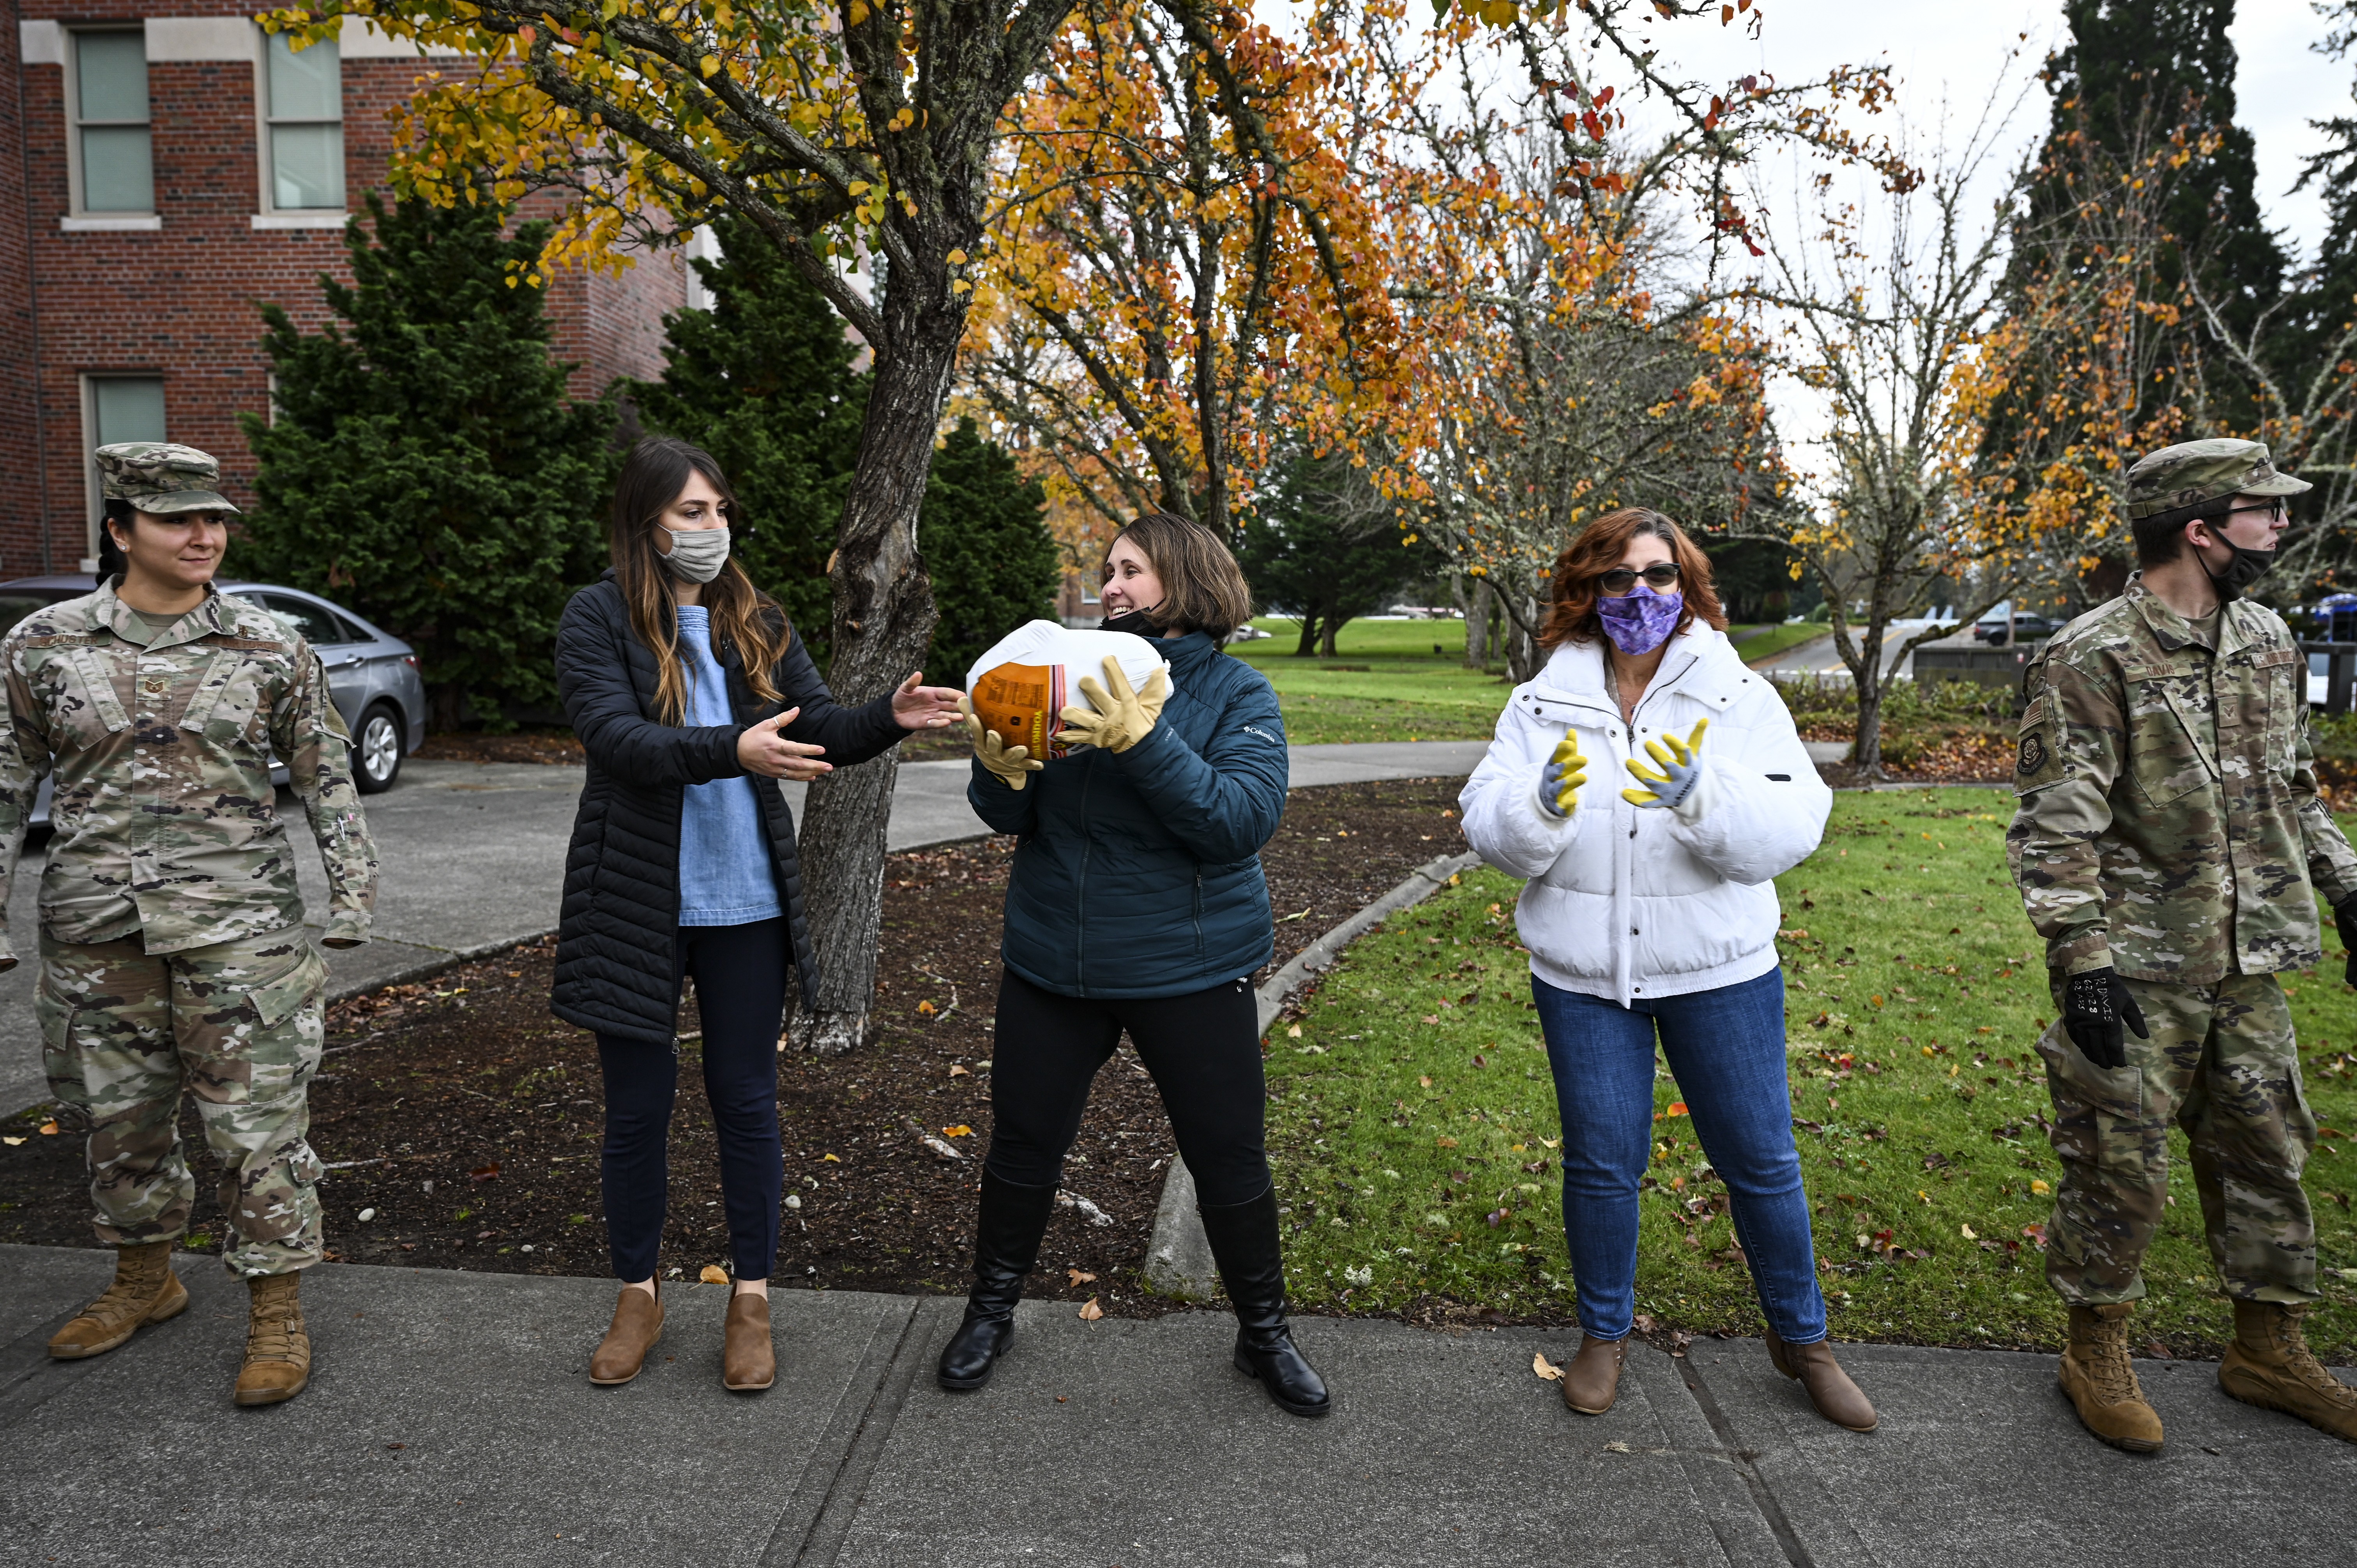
x,y
1959,52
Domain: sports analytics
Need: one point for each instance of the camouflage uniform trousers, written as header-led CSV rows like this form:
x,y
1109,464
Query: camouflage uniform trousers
x,y
237,1023
2224,1065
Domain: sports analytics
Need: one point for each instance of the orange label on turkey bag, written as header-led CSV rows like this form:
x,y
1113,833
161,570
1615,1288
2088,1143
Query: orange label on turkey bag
x,y
1022,703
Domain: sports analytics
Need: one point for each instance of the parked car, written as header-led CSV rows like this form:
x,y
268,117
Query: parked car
x,y
371,675
2025,628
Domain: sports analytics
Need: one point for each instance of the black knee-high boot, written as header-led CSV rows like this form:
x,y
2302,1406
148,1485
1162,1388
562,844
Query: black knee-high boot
x,y
1244,1243
1006,1248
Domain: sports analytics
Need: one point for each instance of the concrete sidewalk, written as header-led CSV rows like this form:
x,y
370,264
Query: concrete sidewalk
x,y
451,1421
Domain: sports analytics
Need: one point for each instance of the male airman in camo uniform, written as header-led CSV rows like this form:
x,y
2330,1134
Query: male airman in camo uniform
x,y
2170,847
173,952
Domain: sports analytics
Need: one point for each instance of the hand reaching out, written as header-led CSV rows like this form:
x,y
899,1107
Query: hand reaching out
x,y
916,707
763,750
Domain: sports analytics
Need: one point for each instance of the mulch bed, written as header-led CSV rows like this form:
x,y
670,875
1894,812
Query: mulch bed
x,y
465,1120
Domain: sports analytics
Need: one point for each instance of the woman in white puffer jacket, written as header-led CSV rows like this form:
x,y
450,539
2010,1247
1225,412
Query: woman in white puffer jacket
x,y
1652,909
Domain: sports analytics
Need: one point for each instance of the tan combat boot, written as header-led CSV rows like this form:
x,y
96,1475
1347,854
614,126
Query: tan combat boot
x,y
2269,1365
144,1290
2102,1381
277,1346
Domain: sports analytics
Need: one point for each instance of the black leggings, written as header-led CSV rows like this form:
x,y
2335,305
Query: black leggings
x,y
740,995
1203,1049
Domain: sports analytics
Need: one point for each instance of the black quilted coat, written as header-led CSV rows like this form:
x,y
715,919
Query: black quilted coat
x,y
615,970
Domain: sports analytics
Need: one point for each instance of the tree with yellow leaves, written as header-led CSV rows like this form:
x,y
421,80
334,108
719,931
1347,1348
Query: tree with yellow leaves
x,y
858,141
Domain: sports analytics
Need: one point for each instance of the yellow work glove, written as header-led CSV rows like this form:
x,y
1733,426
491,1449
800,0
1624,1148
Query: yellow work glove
x,y
1118,716
1560,779
1680,765
1011,764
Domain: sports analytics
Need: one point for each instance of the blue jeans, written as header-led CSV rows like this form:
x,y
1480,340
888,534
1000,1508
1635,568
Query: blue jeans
x,y
1725,1049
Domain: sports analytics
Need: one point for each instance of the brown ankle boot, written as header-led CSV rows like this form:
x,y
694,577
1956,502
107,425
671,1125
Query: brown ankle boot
x,y
1838,1399
2096,1373
748,1361
637,1327
2269,1365
277,1346
144,1290
1592,1379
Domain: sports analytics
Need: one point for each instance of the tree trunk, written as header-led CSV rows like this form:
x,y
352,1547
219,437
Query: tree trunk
x,y
1331,624
1477,611
883,619
1309,635
1866,751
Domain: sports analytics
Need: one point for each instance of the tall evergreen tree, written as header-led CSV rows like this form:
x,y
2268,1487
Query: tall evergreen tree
x,y
2133,72
765,380
984,536
1325,547
2328,300
424,464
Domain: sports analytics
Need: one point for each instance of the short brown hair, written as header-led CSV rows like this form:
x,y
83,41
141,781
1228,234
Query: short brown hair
x,y
1204,589
1598,549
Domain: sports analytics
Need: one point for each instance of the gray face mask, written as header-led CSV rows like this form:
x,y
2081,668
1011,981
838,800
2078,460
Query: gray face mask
x,y
697,556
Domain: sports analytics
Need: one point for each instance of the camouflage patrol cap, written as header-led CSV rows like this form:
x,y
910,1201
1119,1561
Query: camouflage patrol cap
x,y
2193,473
161,476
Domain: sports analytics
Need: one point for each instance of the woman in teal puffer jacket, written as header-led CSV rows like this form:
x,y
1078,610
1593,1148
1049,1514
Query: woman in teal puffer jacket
x,y
1137,903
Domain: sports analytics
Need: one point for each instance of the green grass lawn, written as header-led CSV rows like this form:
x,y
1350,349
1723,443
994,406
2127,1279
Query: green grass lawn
x,y
1406,679
1756,643
1414,1125
1385,681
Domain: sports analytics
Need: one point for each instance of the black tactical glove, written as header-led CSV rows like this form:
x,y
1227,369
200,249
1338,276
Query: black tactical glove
x,y
2094,1005
2344,915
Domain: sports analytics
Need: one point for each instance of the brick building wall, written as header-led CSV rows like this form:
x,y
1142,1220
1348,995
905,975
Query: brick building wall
x,y
174,295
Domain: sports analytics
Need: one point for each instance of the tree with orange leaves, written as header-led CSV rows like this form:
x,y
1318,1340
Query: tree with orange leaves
x,y
1181,265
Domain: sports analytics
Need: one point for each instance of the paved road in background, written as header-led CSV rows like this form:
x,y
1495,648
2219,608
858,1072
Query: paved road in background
x,y
473,859
450,1420
1822,657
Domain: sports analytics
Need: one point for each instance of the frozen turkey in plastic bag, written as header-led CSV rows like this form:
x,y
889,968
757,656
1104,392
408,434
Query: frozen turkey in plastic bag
x,y
1021,686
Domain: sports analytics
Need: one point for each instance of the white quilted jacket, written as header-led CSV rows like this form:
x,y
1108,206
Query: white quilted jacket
x,y
1628,903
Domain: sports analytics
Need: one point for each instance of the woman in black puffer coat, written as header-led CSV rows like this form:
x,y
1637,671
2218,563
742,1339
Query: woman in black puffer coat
x,y
692,697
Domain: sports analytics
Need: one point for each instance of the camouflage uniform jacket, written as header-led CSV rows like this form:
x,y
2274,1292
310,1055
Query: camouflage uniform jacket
x,y
2168,823
164,819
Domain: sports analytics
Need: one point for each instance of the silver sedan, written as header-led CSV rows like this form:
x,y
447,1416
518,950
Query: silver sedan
x,y
371,675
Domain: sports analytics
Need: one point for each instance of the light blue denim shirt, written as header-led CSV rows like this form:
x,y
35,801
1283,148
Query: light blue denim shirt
x,y
724,846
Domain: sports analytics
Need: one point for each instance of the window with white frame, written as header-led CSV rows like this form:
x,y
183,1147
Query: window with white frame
x,y
116,408
113,159
302,106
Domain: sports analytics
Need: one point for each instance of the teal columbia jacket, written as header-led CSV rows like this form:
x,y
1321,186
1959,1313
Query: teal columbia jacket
x,y
1138,874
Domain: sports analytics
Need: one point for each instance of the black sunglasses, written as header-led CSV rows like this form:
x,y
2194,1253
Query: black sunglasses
x,y
1620,579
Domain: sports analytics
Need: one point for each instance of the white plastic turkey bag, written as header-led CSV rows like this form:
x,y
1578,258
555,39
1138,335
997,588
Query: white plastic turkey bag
x,y
1021,686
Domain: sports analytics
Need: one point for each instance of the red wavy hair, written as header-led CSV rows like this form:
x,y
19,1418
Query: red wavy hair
x,y
1598,549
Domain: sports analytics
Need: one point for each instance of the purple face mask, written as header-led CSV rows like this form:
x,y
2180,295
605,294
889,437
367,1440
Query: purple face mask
x,y
1639,620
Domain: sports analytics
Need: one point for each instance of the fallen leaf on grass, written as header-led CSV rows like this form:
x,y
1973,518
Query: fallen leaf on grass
x,y
1444,1143
1091,1311
12,1143
1551,1142
2037,1234
1425,1081
829,1157
960,1131
1970,1234
926,1009
48,1129
1430,1018
1677,1108
1293,1033
713,1274
1080,1277
2041,1188
959,1072
1545,1368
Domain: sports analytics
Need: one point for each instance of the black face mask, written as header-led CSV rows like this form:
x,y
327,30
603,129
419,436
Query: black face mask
x,y
1135,622
2247,567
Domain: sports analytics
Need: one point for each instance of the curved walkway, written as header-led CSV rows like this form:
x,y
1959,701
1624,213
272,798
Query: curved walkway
x,y
473,859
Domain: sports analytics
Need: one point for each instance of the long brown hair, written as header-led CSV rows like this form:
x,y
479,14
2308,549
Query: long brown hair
x,y
1204,589
1595,550
741,614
